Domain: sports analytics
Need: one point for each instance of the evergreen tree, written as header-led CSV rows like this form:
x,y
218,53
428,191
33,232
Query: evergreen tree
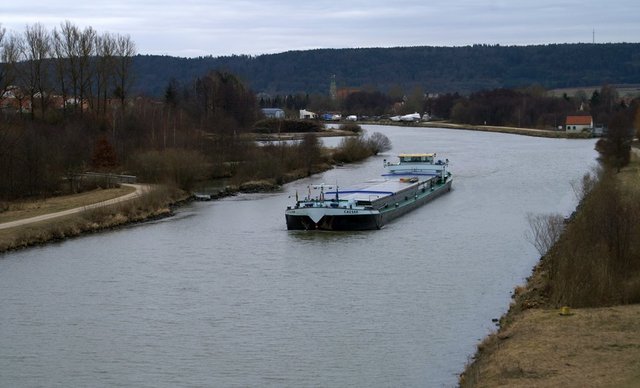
x,y
615,147
104,155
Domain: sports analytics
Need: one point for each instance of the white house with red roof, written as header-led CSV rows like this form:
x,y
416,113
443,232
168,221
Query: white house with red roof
x,y
578,123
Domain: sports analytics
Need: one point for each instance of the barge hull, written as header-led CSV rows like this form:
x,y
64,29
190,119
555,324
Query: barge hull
x,y
331,222
413,203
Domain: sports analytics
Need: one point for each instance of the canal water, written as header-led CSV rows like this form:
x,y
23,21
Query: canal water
x,y
222,295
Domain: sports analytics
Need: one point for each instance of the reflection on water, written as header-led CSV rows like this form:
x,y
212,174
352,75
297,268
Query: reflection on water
x,y
325,237
223,295
327,141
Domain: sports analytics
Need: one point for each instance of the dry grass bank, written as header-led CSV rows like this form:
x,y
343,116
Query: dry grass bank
x,y
31,208
153,204
598,345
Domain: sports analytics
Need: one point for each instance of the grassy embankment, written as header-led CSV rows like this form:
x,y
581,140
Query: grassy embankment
x,y
155,203
31,208
595,269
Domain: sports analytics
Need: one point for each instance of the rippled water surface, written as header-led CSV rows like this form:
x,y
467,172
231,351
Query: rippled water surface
x,y
223,295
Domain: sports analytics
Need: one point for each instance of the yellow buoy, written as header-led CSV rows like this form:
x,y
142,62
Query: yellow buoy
x,y
565,310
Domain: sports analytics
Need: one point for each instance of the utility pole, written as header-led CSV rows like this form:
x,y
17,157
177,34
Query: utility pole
x,y
333,90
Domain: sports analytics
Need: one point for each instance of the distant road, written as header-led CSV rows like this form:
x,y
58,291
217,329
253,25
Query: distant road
x,y
140,189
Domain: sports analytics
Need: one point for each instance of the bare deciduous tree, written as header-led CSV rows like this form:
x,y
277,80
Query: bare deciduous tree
x,y
124,52
545,230
85,52
70,36
62,64
105,70
12,55
310,151
583,187
3,70
379,143
38,50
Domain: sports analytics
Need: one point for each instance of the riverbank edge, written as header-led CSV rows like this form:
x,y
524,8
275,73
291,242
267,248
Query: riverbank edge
x,y
111,219
485,128
528,300
525,297
44,232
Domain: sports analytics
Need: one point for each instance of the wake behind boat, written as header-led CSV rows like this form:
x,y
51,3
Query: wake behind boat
x,y
409,183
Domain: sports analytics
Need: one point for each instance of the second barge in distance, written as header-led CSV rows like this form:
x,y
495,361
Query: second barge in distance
x,y
409,183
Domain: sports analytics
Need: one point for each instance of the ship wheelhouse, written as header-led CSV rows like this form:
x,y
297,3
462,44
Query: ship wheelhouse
x,y
416,158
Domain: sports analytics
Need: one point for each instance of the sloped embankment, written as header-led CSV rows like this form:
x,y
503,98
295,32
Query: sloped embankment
x,y
594,269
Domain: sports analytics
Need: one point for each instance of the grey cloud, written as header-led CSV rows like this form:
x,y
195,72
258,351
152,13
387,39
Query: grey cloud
x,y
200,27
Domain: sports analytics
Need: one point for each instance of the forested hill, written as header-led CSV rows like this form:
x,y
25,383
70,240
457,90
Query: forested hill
x,y
433,69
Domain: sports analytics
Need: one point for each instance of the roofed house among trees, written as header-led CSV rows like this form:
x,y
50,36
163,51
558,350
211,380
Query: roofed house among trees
x,y
578,123
305,114
15,100
343,93
273,113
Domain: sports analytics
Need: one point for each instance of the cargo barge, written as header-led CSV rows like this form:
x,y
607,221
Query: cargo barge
x,y
412,181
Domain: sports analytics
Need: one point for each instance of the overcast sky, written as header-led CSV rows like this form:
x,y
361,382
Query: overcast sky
x,y
190,28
